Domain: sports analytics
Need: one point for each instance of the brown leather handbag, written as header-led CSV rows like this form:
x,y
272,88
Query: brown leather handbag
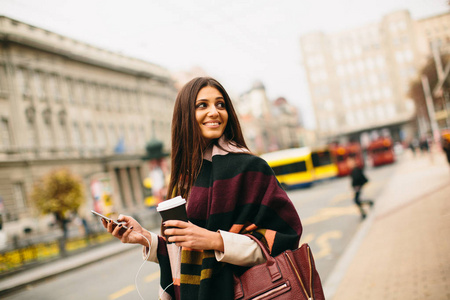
x,y
288,276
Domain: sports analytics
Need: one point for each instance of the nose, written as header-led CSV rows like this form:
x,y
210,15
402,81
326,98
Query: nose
x,y
213,111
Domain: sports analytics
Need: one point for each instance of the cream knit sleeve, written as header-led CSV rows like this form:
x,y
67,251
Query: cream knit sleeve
x,y
239,250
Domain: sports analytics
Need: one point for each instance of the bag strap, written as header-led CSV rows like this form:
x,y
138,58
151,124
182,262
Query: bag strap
x,y
271,263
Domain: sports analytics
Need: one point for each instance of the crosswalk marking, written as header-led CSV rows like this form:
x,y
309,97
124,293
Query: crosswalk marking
x,y
152,277
122,292
323,243
330,212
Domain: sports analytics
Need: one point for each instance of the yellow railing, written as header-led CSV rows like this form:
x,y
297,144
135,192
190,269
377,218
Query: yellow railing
x,y
15,259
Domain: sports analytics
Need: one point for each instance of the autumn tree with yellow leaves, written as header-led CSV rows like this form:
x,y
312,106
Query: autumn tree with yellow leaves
x,y
59,193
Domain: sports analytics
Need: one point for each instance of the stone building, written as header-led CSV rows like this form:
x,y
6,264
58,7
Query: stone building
x,y
64,103
359,78
288,122
436,31
266,125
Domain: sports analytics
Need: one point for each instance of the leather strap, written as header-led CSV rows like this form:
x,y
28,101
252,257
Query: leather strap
x,y
271,263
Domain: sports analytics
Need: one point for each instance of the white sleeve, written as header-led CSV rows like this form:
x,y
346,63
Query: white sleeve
x,y
150,254
239,250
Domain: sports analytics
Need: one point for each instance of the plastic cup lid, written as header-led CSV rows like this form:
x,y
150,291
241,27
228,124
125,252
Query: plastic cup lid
x,y
171,203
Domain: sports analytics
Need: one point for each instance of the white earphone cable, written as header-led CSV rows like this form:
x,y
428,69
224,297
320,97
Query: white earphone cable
x,y
146,259
140,268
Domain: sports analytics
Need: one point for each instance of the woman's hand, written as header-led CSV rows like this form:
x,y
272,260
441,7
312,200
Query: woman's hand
x,y
134,233
192,236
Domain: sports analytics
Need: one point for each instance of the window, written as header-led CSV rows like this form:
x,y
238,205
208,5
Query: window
x,y
370,113
399,56
32,134
373,78
408,55
390,110
290,168
23,81
39,85
3,83
380,112
70,90
61,135
19,195
387,92
360,116
101,136
5,134
55,87
47,137
89,135
76,135
350,118
82,92
112,137
321,158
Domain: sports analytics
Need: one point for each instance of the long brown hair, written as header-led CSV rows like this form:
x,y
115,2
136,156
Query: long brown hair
x,y
188,143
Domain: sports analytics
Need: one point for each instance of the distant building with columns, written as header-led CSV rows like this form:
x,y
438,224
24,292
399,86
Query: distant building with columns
x,y
64,103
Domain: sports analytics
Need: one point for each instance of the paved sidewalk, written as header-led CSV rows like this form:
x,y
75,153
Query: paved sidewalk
x,y
402,250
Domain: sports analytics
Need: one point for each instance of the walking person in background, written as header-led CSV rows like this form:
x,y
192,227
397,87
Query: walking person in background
x,y
446,145
229,192
159,188
358,181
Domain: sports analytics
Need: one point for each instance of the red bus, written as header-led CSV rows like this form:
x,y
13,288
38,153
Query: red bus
x,y
342,153
381,151
355,152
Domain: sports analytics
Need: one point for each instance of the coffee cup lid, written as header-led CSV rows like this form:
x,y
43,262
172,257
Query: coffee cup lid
x,y
171,203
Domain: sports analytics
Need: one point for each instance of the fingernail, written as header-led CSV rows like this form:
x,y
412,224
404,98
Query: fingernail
x,y
131,227
164,223
120,225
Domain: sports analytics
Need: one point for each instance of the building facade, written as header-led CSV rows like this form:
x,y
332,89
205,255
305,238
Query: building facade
x,y
267,125
436,30
64,103
359,78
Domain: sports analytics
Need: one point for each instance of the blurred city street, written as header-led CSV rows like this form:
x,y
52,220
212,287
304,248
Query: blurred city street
x,y
400,251
327,93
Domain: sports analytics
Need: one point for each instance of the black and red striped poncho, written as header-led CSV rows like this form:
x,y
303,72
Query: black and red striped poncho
x,y
236,192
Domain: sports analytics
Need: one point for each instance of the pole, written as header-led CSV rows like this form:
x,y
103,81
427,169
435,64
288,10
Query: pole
x,y
430,108
437,60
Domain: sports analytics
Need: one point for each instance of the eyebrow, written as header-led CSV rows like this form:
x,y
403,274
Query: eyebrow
x,y
202,99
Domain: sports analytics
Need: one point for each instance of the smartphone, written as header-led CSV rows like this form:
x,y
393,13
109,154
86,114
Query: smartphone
x,y
115,223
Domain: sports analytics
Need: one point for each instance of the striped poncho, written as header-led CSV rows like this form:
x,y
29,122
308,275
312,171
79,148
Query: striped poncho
x,y
235,192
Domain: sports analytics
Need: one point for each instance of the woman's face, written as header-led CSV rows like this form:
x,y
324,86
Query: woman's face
x,y
211,113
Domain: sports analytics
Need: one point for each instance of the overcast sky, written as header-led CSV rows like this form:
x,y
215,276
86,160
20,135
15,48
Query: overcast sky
x,y
235,41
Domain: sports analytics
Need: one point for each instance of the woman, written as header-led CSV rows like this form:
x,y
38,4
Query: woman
x,y
229,192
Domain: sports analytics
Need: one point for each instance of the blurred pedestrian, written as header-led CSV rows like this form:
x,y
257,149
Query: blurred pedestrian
x,y
157,174
358,181
413,144
424,144
229,192
446,144
159,188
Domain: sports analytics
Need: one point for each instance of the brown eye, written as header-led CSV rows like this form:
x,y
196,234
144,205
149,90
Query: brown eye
x,y
200,105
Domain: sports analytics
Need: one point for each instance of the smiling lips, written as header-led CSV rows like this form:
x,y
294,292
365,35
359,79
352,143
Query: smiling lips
x,y
212,124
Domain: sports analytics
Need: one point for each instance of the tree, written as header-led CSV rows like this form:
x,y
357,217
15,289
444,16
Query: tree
x,y
59,193
416,89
